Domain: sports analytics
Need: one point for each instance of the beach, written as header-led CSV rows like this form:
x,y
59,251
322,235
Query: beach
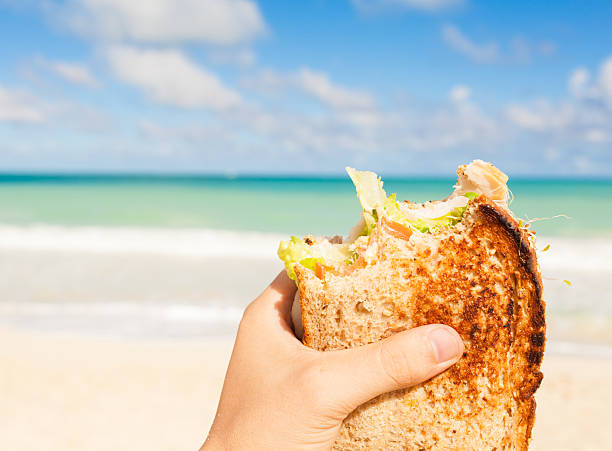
x,y
117,326
62,392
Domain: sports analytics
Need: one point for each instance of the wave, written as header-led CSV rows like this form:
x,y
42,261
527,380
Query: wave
x,y
185,242
564,253
589,254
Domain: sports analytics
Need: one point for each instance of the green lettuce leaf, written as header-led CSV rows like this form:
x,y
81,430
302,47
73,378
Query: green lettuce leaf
x,y
448,220
369,189
295,250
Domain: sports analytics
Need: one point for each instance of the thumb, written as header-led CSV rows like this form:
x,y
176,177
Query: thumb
x,y
400,361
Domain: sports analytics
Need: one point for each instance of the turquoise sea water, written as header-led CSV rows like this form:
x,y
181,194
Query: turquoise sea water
x,y
272,204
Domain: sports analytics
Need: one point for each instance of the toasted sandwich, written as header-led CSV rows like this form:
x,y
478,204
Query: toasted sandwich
x,y
465,261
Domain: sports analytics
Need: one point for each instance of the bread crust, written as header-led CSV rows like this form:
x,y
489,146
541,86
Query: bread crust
x,y
480,277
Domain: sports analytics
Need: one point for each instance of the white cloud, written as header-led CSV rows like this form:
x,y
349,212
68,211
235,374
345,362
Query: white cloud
x,y
518,50
460,93
583,164
222,22
315,84
542,116
424,5
582,87
74,73
19,106
578,81
481,53
605,81
319,86
446,126
596,135
240,57
169,77
585,117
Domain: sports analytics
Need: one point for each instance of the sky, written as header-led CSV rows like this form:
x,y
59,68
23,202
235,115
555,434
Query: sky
x,y
401,87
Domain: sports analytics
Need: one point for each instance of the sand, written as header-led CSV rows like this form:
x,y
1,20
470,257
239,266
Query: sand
x,y
74,393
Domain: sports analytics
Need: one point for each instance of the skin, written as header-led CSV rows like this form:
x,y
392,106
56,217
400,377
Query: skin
x,y
279,394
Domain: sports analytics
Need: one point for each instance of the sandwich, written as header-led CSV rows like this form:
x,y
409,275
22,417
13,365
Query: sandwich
x,y
465,261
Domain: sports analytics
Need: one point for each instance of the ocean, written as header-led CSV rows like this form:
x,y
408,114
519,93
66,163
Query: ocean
x,y
181,256
272,204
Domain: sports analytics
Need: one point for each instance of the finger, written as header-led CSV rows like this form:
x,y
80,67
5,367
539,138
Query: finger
x,y
278,296
403,360
272,308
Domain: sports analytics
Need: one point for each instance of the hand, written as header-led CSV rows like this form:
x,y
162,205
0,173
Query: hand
x,y
279,394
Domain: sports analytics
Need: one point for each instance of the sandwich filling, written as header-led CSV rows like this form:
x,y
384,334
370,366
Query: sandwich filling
x,y
402,219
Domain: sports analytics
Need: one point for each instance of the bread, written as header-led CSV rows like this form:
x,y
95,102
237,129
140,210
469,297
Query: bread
x,y
480,277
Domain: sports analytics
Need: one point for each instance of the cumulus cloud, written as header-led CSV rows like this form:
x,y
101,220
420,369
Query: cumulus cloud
x,y
542,116
605,81
319,86
224,22
315,84
585,116
578,82
518,50
460,93
240,57
20,106
24,107
447,125
599,89
169,77
424,5
74,73
457,40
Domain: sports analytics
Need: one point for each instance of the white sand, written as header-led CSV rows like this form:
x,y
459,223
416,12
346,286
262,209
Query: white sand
x,y
69,393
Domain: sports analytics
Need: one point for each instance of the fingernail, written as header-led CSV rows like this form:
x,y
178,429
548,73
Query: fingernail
x,y
445,343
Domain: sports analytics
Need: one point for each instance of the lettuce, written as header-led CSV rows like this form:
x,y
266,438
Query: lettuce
x,y
295,250
375,203
371,195
448,220
369,189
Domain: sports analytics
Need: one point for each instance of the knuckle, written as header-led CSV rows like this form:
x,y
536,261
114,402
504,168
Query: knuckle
x,y
248,316
248,311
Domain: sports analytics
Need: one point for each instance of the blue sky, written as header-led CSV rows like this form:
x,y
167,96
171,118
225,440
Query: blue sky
x,y
244,86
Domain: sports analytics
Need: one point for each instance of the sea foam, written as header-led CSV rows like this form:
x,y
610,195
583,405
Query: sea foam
x,y
185,242
564,254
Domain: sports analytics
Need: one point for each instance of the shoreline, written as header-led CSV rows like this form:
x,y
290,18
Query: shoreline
x,y
215,242
188,283
99,394
186,323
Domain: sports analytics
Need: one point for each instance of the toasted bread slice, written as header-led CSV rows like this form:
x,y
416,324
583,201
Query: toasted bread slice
x,y
479,277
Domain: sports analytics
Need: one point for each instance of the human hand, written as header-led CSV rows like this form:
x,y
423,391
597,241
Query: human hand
x,y
280,394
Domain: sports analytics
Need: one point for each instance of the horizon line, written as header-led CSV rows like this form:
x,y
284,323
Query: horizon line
x,y
110,175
